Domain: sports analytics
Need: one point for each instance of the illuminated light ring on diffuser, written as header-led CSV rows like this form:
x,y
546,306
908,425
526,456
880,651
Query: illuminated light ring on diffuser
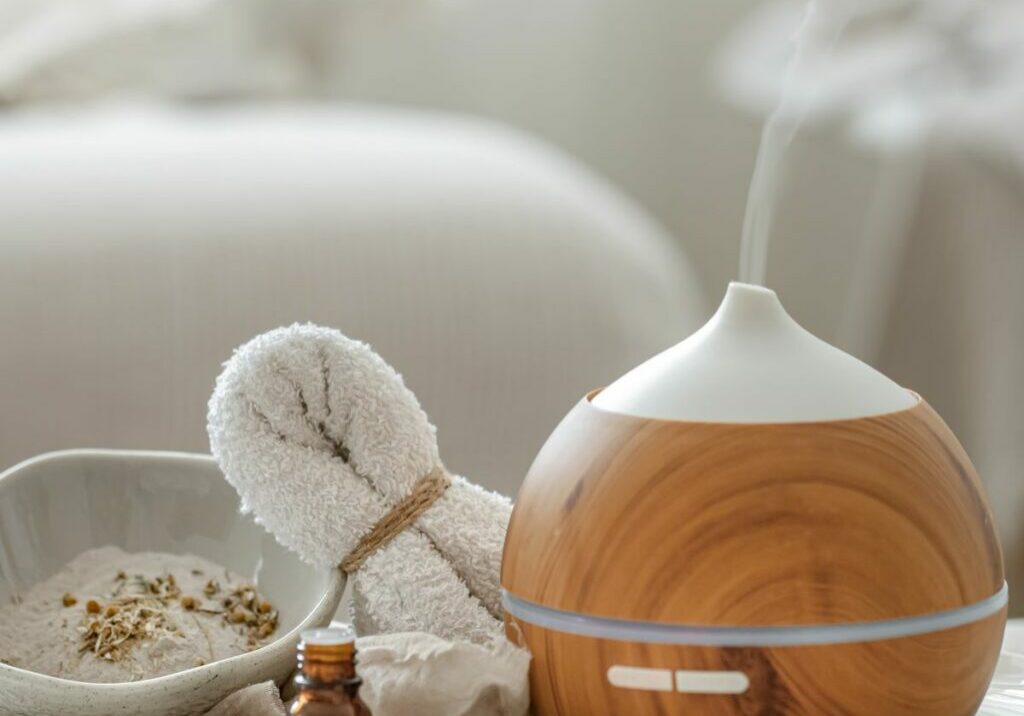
x,y
772,636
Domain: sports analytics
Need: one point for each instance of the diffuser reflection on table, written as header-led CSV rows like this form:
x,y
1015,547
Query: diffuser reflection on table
x,y
754,522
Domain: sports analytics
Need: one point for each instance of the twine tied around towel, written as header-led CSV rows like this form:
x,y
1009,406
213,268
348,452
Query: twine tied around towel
x,y
424,494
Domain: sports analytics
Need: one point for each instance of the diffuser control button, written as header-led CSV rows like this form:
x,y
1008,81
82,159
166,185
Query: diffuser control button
x,y
685,682
635,677
712,682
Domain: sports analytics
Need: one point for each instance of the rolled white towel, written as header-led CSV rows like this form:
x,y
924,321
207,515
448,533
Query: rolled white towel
x,y
391,442
296,417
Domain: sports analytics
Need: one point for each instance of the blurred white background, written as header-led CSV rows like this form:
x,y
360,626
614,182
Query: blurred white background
x,y
514,202
626,86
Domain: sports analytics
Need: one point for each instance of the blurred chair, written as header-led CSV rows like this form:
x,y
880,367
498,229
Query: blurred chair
x,y
141,244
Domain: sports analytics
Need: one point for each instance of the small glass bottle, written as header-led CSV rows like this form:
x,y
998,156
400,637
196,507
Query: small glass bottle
x,y
327,680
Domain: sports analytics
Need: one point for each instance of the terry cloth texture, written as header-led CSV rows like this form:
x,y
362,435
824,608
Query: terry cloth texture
x,y
322,439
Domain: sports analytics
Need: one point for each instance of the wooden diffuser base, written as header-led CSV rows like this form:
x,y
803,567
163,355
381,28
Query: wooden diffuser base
x,y
878,523
913,676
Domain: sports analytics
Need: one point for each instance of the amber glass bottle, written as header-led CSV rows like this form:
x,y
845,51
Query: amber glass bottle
x,y
327,679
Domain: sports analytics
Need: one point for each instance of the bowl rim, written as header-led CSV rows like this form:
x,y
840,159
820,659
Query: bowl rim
x,y
325,606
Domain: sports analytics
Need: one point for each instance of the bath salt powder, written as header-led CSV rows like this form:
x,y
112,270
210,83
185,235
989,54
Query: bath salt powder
x,y
109,616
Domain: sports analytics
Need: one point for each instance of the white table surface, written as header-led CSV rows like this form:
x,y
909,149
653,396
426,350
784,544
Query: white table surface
x,y
1014,639
1006,695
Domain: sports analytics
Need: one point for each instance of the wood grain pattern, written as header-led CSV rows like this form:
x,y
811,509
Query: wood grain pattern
x,y
914,676
757,525
752,525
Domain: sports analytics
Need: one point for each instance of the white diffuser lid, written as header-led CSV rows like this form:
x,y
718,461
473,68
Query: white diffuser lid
x,y
752,363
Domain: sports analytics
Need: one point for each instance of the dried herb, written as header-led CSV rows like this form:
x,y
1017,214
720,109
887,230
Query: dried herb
x,y
123,624
243,608
110,631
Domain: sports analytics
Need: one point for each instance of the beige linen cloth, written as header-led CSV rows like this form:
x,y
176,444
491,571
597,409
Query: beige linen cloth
x,y
422,674
256,700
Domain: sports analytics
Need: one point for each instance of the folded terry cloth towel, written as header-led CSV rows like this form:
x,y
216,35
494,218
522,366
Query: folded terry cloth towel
x,y
334,455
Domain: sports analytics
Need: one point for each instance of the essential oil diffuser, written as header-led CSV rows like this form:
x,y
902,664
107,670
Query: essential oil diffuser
x,y
754,522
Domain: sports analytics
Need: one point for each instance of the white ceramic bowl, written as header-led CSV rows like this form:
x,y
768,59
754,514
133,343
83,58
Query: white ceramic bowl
x,y
54,506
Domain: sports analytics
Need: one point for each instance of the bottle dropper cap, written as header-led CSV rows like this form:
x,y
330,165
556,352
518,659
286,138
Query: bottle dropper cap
x,y
329,636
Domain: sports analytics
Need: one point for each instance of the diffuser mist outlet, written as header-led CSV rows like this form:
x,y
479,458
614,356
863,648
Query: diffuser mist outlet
x,y
754,522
